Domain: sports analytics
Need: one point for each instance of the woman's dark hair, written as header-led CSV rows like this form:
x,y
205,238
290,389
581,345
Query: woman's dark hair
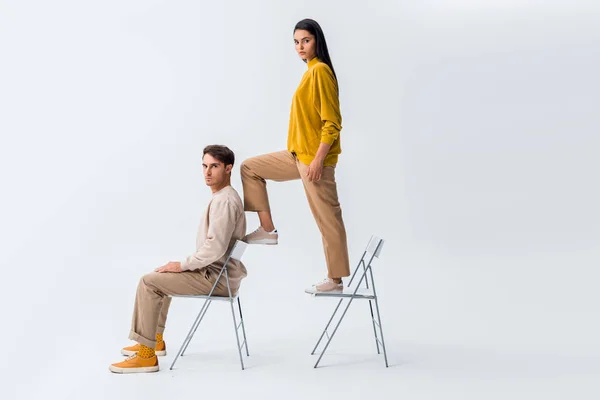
x,y
221,153
314,28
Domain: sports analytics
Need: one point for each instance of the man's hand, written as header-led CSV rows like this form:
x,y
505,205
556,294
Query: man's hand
x,y
315,169
172,266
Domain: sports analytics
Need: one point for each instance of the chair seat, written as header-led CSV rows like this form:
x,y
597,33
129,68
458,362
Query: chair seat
x,y
205,296
361,293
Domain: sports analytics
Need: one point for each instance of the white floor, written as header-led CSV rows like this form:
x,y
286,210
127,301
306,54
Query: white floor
x,y
453,331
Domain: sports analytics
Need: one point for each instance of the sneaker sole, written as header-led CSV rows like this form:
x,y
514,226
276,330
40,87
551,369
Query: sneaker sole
x,y
263,241
336,290
130,353
314,290
118,370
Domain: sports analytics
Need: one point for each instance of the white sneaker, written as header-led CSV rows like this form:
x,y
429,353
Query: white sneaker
x,y
260,236
328,285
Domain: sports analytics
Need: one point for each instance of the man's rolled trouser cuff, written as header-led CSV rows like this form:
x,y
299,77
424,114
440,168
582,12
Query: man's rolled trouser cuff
x,y
142,340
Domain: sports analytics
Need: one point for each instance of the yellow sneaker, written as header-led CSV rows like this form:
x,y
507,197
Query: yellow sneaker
x,y
135,364
160,350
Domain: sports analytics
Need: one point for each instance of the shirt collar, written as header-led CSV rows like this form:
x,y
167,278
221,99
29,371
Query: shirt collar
x,y
313,61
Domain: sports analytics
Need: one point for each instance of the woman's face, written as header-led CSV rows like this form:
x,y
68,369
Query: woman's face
x,y
305,44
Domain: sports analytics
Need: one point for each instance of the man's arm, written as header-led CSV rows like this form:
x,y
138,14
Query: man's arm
x,y
222,219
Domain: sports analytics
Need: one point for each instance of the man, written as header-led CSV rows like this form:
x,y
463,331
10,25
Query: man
x,y
222,224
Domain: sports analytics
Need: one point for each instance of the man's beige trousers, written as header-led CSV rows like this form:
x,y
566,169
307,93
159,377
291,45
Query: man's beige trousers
x,y
152,299
322,197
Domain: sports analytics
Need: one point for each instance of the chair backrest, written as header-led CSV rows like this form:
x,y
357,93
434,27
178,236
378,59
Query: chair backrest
x,y
238,250
374,246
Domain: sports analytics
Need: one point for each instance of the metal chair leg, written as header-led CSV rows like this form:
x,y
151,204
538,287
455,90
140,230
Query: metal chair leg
x,y
197,324
374,329
237,338
381,331
334,331
326,326
243,326
190,334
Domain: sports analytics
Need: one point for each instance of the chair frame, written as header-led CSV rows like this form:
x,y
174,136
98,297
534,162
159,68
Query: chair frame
x,y
368,293
236,253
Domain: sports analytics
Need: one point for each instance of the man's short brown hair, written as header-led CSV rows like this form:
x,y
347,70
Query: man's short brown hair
x,y
221,153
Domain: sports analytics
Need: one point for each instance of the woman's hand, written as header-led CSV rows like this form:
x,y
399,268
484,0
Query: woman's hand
x,y
315,170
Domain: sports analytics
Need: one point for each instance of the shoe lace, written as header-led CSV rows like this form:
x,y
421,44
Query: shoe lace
x,y
252,233
131,357
326,280
260,228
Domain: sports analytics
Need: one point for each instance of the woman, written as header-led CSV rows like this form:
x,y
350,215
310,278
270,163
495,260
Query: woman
x,y
313,147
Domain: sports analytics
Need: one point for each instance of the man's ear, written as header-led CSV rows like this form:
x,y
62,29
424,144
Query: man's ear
x,y
228,168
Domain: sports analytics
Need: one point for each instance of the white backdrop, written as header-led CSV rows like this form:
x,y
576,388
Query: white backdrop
x,y
470,140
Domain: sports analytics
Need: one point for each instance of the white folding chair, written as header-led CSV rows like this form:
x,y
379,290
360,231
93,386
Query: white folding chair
x,y
236,254
359,293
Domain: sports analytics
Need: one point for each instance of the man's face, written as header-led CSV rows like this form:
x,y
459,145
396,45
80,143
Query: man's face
x,y
215,172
